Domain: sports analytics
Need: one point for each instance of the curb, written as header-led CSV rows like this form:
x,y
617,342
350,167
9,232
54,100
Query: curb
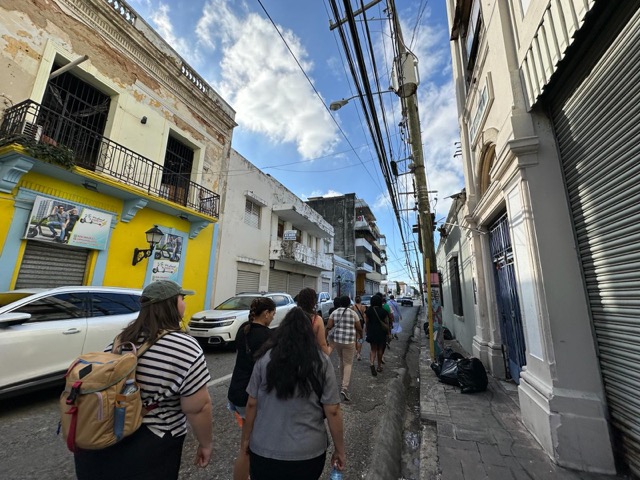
x,y
386,456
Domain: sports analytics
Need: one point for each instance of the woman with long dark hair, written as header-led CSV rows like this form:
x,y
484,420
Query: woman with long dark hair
x,y
172,376
307,299
292,389
251,336
377,320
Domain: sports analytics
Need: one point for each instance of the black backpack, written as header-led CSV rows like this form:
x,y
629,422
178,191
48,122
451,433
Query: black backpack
x,y
472,376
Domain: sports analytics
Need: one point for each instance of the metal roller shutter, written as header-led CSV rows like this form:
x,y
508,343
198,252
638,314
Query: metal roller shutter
x,y
295,284
597,127
310,282
326,285
247,281
49,265
277,281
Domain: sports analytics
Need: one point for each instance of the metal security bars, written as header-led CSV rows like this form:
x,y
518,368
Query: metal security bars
x,y
29,122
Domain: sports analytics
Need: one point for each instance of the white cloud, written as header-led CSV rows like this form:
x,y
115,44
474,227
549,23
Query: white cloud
x,y
162,21
263,83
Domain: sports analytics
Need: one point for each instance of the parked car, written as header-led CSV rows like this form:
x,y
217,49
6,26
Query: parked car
x,y
405,301
220,325
325,303
43,330
366,300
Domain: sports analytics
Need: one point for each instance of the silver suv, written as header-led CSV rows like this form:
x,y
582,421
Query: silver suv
x,y
220,325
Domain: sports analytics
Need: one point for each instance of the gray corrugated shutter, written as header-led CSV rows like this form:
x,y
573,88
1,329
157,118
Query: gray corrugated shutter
x,y
277,281
247,281
326,285
295,284
49,265
310,282
598,127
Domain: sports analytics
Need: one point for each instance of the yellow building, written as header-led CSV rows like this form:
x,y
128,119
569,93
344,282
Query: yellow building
x,y
106,132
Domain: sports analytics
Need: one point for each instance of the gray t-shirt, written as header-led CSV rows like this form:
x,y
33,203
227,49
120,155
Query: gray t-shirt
x,y
292,429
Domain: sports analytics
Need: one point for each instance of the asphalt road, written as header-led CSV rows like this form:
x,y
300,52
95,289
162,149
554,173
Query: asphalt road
x,y
31,449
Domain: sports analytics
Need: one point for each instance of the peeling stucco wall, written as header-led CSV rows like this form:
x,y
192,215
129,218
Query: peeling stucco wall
x,y
131,63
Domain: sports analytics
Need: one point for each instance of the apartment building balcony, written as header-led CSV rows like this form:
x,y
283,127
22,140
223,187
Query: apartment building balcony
x,y
363,245
364,267
362,225
305,218
52,138
294,252
376,276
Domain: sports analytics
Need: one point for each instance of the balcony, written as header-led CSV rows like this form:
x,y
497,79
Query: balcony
x,y
35,126
295,252
363,245
364,267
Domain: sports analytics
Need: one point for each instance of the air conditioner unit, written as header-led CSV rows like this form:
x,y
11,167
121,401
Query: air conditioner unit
x,y
32,131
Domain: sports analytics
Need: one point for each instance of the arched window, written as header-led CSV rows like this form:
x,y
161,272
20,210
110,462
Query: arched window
x,y
488,158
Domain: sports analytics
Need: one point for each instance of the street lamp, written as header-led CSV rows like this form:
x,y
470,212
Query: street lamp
x,y
154,236
338,104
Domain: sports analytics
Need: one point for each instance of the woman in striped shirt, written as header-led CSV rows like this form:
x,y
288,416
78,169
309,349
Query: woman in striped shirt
x,y
172,375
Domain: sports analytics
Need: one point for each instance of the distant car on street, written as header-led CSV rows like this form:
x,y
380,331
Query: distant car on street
x,y
220,325
43,330
366,299
405,301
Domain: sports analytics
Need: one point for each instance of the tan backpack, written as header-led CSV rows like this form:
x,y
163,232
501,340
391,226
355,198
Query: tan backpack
x,y
101,402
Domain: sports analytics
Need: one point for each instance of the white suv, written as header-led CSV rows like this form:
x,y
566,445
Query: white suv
x,y
325,303
43,330
220,325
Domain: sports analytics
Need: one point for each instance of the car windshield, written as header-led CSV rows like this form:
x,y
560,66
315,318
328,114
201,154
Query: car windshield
x,y
366,298
236,303
10,297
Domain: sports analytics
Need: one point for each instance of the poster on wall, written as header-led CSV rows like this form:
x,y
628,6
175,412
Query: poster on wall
x,y
166,259
58,221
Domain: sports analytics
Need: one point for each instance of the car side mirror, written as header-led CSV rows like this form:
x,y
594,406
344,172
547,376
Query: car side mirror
x,y
13,318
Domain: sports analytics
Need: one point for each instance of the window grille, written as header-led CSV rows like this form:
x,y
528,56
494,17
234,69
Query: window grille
x,y
252,214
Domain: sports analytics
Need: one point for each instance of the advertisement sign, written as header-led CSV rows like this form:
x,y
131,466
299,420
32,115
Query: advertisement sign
x,y
166,259
58,221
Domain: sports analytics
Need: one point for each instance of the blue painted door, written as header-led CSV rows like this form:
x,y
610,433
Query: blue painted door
x,y
507,298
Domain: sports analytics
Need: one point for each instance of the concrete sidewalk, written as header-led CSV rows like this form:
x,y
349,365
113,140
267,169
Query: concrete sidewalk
x,y
479,436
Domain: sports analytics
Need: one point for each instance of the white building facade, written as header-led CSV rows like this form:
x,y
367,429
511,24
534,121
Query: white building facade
x,y
269,240
547,98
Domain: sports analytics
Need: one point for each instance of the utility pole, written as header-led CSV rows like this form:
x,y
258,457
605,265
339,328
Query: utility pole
x,y
407,92
425,222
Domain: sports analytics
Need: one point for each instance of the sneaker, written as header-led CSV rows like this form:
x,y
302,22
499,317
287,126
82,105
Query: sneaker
x,y
345,395
359,357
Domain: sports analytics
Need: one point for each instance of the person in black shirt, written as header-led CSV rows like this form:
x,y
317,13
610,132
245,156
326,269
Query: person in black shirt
x,y
251,336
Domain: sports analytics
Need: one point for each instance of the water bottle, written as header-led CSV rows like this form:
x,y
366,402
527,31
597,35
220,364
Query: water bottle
x,y
129,387
335,474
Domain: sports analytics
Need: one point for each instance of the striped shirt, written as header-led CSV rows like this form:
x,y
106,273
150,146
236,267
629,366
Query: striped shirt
x,y
171,368
344,330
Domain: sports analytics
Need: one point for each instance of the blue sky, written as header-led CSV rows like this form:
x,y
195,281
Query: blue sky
x,y
284,125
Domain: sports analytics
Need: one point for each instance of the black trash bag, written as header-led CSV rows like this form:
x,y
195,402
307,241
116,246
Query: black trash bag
x,y
449,372
447,333
472,376
449,353
435,366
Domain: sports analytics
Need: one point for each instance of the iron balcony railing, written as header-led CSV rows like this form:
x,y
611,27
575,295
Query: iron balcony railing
x,y
30,122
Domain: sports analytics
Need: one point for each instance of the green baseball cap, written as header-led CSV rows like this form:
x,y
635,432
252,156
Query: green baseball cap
x,y
163,290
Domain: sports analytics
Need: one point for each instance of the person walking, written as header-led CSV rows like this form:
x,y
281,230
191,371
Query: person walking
x,y
251,336
343,330
172,375
377,320
397,317
359,309
307,300
292,389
